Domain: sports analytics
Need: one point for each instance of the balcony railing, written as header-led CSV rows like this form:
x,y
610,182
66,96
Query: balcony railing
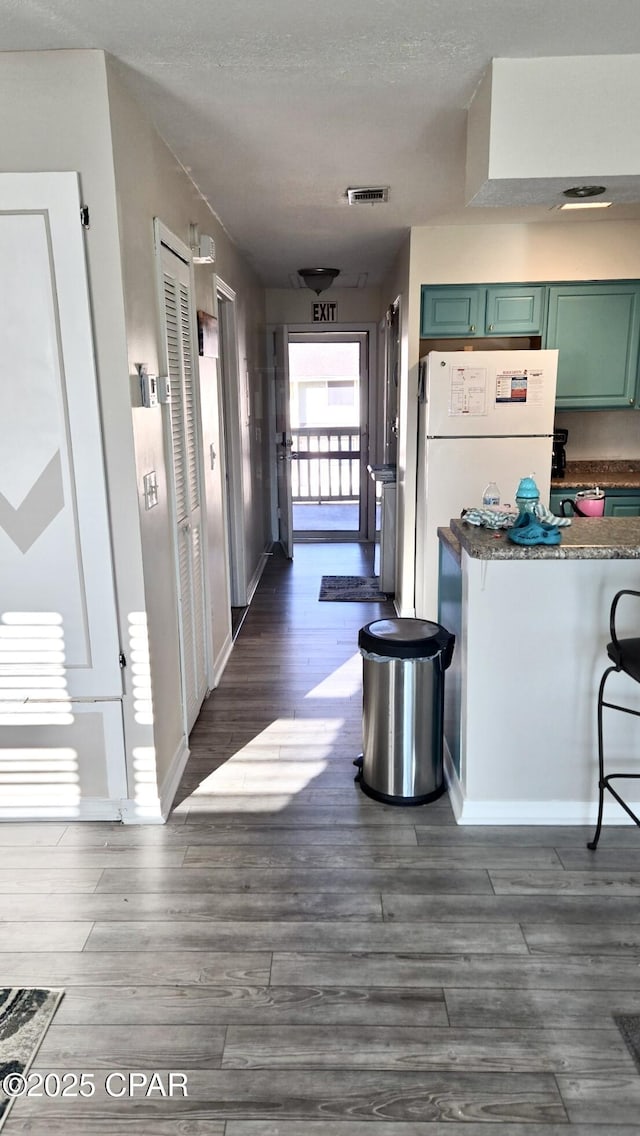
x,y
325,464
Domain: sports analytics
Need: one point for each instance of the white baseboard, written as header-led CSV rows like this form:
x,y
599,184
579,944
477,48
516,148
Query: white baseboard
x,y
453,784
173,777
134,812
255,579
88,808
227,647
542,813
155,810
221,661
528,812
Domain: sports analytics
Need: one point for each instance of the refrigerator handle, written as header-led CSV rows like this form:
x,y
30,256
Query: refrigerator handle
x,y
422,380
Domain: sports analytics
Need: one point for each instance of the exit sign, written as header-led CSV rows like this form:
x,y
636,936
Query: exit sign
x,y
326,312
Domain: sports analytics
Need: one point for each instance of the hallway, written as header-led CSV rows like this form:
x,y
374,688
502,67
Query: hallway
x,y
316,963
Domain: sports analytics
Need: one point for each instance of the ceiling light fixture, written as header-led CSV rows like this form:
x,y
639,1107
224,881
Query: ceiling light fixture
x,y
318,279
587,205
585,191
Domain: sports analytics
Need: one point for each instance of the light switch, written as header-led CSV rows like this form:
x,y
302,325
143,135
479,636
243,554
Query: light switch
x,y
150,489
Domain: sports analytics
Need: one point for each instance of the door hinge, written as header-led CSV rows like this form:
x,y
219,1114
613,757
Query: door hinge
x,y
84,216
122,659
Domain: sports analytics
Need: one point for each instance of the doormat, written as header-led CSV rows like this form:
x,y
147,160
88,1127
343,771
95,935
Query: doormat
x,y
25,1016
629,1026
362,589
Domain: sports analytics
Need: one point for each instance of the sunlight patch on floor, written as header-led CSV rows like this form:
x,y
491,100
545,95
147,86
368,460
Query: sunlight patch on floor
x,y
344,682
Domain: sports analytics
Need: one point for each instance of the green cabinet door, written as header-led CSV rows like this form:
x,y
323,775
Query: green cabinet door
x,y
454,311
621,503
514,309
596,328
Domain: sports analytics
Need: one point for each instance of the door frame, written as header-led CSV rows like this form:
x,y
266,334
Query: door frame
x,y
283,447
391,381
164,236
374,392
224,305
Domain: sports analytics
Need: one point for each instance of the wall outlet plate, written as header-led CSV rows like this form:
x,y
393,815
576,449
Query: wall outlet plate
x,y
150,484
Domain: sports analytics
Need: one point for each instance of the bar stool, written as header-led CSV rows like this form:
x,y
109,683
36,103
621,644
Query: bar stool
x,y
625,656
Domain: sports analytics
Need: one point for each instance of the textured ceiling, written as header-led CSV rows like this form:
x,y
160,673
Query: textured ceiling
x,y
277,106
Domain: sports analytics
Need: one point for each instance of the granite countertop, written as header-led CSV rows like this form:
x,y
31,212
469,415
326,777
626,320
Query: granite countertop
x,y
592,538
451,542
605,474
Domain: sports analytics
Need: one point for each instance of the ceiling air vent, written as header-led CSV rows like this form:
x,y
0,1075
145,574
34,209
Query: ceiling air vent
x,y
368,195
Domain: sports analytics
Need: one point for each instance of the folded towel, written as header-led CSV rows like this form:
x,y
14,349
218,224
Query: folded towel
x,y
488,518
500,519
549,518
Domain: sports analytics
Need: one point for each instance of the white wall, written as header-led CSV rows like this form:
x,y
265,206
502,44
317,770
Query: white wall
x,y
560,250
576,250
601,435
293,305
151,183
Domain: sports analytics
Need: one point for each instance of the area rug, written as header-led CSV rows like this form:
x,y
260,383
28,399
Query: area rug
x,y
25,1016
629,1026
362,589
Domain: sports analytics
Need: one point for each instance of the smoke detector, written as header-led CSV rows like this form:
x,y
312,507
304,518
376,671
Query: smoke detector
x,y
368,195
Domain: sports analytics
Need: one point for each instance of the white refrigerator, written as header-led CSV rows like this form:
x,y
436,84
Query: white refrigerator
x,y
483,416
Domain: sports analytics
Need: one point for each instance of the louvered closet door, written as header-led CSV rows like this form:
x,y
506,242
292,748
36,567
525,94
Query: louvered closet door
x,y
183,419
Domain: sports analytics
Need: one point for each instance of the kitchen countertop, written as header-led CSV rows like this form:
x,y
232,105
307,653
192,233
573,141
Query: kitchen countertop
x,y
451,542
606,474
592,538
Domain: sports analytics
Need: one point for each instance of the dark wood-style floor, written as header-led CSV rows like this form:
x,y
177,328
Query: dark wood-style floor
x,y
316,963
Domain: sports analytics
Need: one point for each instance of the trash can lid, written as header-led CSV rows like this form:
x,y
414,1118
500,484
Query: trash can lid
x,y
404,638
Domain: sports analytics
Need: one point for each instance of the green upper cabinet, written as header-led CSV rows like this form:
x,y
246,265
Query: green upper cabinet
x,y
453,311
596,328
470,310
514,309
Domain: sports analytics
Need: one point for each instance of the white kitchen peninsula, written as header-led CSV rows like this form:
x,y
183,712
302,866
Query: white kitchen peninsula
x,y
532,625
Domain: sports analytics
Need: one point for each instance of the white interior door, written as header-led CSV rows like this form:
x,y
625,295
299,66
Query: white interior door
x,y
182,436
59,642
283,440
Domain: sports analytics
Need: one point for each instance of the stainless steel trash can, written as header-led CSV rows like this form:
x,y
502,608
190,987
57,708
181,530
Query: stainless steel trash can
x,y
403,661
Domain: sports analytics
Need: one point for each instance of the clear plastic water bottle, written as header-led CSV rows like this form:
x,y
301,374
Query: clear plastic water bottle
x,y
491,495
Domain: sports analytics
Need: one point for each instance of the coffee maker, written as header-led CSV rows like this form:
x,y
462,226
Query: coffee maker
x,y
558,453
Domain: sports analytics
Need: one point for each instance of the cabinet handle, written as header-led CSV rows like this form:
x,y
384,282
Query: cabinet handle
x,y
473,327
490,327
631,401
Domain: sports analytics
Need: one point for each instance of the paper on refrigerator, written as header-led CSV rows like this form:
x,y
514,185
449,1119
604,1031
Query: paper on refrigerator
x,y
468,391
